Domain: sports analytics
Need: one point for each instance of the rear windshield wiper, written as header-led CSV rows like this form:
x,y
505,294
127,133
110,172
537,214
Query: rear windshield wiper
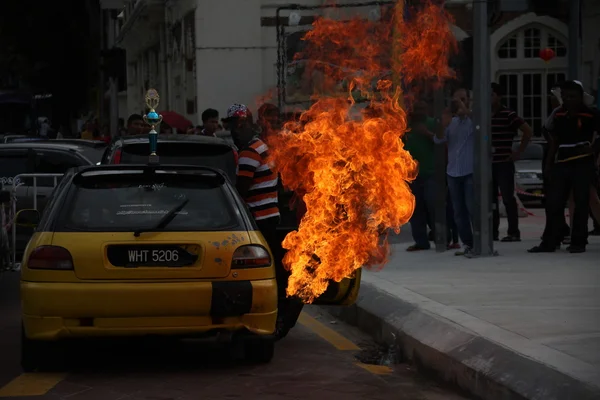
x,y
164,221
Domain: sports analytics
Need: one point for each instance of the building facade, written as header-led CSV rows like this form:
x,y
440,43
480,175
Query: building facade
x,y
207,53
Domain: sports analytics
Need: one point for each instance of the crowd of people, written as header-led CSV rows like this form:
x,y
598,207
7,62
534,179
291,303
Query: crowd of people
x,y
570,168
570,165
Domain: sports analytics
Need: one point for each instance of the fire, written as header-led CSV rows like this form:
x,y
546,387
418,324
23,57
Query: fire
x,y
354,173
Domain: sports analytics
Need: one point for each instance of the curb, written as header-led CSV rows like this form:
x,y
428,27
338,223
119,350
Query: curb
x,y
471,362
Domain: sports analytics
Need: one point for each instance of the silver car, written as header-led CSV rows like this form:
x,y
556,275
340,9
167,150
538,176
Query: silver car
x,y
528,177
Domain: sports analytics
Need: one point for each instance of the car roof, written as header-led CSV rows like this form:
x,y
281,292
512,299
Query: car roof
x,y
116,169
176,138
44,145
81,142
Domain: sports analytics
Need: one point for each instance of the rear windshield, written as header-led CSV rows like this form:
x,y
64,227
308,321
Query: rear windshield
x,y
127,202
184,153
93,154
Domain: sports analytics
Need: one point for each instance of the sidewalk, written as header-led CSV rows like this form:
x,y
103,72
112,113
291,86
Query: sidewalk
x,y
515,326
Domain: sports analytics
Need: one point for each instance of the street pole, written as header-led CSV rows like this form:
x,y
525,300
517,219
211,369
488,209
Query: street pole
x,y
574,53
101,76
482,165
114,107
441,239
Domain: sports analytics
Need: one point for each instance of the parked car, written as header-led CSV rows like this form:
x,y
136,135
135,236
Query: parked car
x,y
172,246
12,138
175,149
528,173
39,157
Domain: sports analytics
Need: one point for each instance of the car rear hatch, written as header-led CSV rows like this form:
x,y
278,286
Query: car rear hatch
x,y
216,155
159,225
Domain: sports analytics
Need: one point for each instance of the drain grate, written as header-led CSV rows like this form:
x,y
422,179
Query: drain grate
x,y
379,354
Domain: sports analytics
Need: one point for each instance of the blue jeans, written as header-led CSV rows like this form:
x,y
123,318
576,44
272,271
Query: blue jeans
x,y
461,193
451,228
423,189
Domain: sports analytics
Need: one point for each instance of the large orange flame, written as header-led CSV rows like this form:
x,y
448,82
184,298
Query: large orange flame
x,y
354,173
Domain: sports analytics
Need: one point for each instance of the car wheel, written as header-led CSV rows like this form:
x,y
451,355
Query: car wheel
x,y
37,355
259,350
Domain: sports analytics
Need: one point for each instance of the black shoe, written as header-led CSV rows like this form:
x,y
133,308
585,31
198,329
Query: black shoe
x,y
542,248
511,238
594,232
576,249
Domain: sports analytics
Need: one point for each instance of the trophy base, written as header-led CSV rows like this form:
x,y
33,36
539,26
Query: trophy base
x,y
153,159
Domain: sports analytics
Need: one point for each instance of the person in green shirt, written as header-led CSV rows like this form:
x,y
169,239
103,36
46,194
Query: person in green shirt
x,y
418,141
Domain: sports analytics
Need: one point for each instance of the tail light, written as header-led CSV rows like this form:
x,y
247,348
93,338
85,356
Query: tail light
x,y
50,257
250,256
116,157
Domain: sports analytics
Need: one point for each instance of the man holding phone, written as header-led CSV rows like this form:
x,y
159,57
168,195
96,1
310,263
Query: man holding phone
x,y
457,132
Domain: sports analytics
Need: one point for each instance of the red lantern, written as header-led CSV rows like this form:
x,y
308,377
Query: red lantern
x,y
547,54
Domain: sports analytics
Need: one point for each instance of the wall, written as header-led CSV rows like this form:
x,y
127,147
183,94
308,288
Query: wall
x,y
228,53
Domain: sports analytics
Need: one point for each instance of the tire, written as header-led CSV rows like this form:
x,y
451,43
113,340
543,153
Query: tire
x,y
259,350
37,355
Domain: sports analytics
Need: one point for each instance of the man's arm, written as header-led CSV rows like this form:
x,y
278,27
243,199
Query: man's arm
x,y
421,129
441,131
247,164
526,137
519,123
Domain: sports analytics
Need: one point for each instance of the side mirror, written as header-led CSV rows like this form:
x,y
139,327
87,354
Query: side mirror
x,y
4,196
28,218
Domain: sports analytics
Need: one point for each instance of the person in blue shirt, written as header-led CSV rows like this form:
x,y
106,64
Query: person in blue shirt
x,y
458,134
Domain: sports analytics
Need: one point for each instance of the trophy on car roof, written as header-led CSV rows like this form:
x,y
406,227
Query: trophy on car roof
x,y
153,119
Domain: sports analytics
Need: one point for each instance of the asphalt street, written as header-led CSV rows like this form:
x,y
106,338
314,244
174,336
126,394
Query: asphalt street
x,y
318,360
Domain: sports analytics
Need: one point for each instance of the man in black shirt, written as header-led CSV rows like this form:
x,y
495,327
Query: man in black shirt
x,y
570,166
556,102
505,126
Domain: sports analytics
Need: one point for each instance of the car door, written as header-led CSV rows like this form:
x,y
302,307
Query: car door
x,y
51,162
343,293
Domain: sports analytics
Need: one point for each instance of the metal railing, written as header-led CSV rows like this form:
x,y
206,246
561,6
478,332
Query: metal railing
x,y
15,184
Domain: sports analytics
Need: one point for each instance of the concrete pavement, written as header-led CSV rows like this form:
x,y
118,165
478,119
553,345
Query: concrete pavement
x,y
514,326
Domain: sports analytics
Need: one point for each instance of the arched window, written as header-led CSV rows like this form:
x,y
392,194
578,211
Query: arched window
x,y
526,78
508,49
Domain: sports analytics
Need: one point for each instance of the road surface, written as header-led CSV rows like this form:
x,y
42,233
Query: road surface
x,y
318,360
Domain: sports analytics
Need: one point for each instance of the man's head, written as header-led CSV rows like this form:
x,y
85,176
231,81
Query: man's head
x,y
460,98
135,124
497,93
239,121
210,120
572,94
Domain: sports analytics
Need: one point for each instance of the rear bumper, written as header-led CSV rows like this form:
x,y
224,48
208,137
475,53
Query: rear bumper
x,y
60,310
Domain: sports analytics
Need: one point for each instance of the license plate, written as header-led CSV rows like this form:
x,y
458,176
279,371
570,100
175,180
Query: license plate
x,y
134,256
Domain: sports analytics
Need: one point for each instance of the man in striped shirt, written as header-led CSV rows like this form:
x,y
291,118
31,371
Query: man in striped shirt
x,y
256,182
505,125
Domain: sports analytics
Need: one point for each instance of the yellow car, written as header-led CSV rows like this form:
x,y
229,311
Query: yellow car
x,y
125,250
